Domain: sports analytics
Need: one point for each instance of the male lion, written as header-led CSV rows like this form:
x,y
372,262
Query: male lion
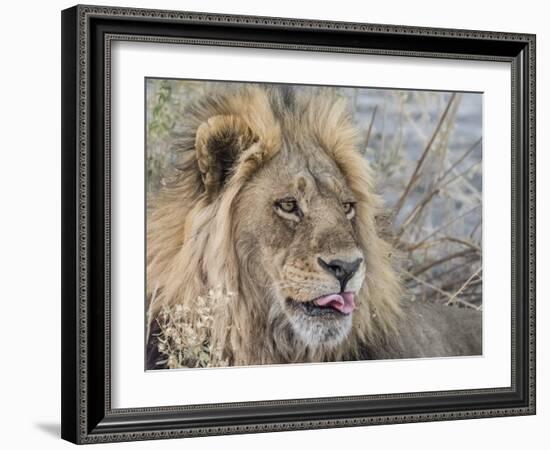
x,y
274,203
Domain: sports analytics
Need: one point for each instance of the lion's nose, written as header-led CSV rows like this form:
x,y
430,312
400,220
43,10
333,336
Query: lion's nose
x,y
342,270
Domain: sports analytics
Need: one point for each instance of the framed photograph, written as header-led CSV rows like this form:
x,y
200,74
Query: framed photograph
x,y
281,224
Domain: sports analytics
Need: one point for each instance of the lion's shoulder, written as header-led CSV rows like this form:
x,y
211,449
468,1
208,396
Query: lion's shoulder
x,y
430,330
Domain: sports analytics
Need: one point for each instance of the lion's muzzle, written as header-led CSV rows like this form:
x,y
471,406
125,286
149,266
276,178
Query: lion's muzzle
x,y
343,271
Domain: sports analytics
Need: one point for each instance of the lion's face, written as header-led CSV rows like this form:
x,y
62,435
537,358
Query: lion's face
x,y
274,203
296,232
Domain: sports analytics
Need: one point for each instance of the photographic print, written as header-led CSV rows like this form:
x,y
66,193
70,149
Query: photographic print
x,y
317,202
306,224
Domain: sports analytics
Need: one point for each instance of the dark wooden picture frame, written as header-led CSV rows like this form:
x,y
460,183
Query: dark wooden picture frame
x,y
87,34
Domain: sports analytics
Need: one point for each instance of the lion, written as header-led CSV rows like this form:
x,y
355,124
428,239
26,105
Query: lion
x,y
273,202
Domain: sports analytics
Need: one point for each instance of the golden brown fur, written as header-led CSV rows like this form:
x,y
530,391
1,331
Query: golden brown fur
x,y
214,225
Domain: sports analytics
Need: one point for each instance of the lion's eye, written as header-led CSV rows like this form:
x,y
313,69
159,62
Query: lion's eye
x,y
349,209
288,206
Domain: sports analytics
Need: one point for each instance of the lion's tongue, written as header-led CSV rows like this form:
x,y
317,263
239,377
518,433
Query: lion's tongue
x,y
344,302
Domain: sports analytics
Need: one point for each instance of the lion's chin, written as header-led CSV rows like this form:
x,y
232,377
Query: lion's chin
x,y
319,324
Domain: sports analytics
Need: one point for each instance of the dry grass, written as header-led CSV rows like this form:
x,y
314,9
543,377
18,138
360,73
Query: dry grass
x,y
435,217
183,340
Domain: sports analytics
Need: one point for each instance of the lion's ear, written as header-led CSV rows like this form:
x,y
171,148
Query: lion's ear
x,y
219,141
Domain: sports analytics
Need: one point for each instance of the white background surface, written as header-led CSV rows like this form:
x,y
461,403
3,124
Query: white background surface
x,y
132,387
30,180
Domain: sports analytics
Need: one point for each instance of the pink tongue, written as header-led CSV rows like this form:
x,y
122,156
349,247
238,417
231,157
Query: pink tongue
x,y
344,302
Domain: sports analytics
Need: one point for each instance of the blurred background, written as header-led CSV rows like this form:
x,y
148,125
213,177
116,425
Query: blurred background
x,y
426,151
